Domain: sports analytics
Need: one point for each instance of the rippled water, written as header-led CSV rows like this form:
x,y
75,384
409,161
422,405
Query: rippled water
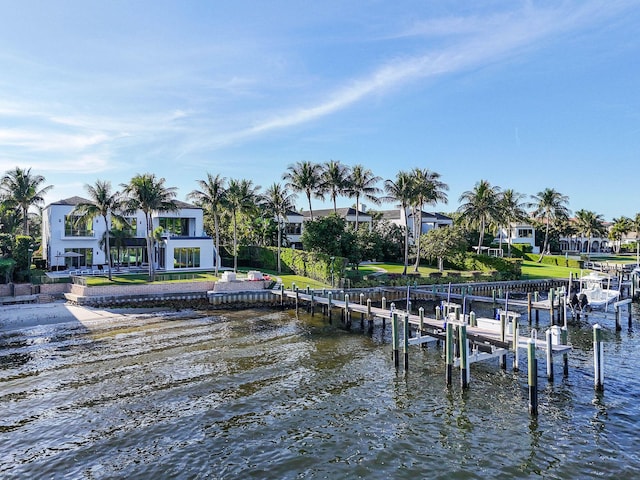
x,y
266,394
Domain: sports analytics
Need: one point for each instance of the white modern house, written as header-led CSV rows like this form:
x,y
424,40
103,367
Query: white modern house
x,y
518,233
293,229
69,246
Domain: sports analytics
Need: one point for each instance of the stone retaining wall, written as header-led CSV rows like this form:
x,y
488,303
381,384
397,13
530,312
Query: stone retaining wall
x,y
240,286
141,290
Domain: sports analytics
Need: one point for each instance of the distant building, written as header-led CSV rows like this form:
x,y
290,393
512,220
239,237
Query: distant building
x,y
67,245
349,214
430,220
518,233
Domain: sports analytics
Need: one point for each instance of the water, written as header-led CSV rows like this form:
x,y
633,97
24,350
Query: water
x,y
264,394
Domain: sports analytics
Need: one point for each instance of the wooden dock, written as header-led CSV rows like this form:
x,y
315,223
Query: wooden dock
x,y
424,326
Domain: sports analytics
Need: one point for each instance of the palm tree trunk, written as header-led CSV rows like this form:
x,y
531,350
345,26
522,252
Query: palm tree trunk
x,y
279,244
150,255
544,244
481,237
406,250
310,209
419,234
235,245
108,245
215,227
25,213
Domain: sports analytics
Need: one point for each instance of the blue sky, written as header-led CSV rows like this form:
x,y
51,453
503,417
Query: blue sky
x,y
526,95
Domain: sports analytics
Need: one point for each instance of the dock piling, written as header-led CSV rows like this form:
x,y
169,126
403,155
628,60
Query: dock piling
x,y
464,356
549,337
533,375
449,354
598,358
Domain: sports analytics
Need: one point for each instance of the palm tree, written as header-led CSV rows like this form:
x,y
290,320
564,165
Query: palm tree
x,y
427,190
620,227
401,190
334,180
305,177
512,210
362,184
279,202
635,222
241,198
211,198
119,232
549,206
480,207
24,190
590,224
147,193
102,203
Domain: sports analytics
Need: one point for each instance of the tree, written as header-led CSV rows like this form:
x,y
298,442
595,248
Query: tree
x,y
211,198
328,235
148,193
443,242
620,227
362,184
24,190
305,177
480,207
550,207
279,202
401,190
427,190
513,210
589,224
241,198
102,203
117,235
334,180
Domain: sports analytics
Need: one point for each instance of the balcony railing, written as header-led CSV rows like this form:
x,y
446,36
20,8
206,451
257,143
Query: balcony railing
x,y
78,233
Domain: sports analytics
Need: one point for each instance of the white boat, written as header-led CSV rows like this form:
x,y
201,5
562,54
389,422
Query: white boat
x,y
595,291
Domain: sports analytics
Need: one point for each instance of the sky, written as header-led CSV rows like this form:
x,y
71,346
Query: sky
x,y
527,95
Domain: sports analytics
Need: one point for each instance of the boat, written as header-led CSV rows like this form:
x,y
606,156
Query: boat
x,y
595,291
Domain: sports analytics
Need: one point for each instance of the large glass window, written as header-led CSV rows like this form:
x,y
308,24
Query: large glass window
x,y
75,228
78,258
175,226
127,256
186,257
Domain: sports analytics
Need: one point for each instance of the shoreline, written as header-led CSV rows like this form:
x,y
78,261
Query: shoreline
x,y
16,317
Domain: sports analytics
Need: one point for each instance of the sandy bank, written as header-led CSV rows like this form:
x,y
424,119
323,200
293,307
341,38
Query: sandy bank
x,y
28,315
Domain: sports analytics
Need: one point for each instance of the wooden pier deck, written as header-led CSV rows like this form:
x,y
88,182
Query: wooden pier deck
x,y
488,340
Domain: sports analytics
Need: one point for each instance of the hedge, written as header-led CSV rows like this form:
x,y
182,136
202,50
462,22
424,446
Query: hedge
x,y
555,260
307,264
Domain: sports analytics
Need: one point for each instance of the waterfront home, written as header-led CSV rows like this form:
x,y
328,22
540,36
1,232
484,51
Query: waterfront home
x,y
430,220
67,245
518,233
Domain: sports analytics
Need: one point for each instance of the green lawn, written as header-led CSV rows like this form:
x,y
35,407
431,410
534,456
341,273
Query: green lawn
x,y
142,278
533,271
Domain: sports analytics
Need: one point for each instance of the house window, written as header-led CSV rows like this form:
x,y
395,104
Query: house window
x,y
186,257
83,259
293,229
175,226
525,233
73,227
130,228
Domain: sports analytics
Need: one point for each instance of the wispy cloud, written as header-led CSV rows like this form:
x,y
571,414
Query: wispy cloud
x,y
474,41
